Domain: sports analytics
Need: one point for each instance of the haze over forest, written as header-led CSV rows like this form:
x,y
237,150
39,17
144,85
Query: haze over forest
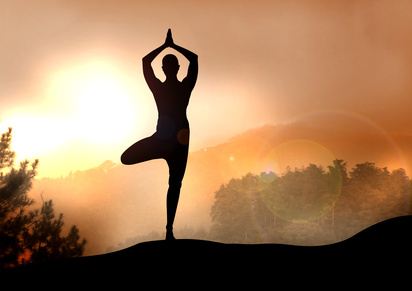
x,y
112,203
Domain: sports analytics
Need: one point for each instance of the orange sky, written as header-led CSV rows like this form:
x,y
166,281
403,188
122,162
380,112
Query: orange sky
x,y
72,87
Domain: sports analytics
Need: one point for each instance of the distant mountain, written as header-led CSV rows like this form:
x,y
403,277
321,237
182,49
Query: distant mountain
x,y
112,202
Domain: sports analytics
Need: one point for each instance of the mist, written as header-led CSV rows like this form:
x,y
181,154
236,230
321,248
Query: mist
x,y
113,204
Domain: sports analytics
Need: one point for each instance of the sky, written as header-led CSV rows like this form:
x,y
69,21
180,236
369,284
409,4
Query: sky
x,y
72,87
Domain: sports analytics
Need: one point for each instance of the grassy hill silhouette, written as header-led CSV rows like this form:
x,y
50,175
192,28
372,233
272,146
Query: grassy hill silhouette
x,y
383,246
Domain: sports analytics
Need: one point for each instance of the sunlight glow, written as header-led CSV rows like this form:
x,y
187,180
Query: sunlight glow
x,y
91,105
100,102
104,109
34,134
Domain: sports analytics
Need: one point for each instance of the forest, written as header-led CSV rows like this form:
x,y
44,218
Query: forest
x,y
310,205
114,206
305,206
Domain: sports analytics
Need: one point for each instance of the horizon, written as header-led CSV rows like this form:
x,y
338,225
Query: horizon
x,y
399,152
370,133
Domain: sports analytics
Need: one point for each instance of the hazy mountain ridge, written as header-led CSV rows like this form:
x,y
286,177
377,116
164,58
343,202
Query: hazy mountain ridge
x,y
112,202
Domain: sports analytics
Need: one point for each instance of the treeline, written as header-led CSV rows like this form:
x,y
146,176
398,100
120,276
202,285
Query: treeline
x,y
308,206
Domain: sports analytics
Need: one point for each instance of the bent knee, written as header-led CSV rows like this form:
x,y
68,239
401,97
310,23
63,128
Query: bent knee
x,y
125,159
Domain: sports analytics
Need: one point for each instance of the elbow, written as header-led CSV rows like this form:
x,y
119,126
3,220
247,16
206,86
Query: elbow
x,y
146,63
193,58
147,60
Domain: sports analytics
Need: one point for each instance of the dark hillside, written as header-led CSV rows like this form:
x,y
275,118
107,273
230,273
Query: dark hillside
x,y
384,247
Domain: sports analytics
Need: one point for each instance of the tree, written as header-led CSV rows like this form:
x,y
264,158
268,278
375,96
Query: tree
x,y
44,240
314,205
14,185
304,194
234,209
30,236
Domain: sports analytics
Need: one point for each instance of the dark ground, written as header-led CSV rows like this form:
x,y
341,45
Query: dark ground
x,y
382,252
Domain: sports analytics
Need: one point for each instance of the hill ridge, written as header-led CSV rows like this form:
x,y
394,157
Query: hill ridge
x,y
383,245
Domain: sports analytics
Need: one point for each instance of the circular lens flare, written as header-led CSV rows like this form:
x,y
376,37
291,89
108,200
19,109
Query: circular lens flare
x,y
303,181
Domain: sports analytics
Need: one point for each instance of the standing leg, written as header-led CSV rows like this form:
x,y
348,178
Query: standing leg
x,y
177,166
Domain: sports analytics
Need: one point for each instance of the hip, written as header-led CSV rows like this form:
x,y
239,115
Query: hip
x,y
169,128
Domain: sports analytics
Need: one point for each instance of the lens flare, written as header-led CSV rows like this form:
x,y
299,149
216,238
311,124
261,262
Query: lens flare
x,y
396,158
299,153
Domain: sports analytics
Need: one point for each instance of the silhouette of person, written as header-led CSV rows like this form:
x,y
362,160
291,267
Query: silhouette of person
x,y
171,139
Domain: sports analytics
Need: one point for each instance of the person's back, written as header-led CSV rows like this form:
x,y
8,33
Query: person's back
x,y
172,98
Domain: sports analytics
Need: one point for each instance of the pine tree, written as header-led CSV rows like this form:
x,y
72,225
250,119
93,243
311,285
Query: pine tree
x,y
14,185
71,246
44,240
28,236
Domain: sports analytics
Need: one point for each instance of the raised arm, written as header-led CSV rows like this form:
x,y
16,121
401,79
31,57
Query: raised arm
x,y
148,72
192,71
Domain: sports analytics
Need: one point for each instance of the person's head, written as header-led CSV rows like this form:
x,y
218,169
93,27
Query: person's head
x,y
170,65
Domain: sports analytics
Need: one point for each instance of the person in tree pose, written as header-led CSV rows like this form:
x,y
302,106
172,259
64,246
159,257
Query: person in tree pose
x,y
171,139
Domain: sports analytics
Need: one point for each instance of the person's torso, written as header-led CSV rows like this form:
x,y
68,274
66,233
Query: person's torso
x,y
172,99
